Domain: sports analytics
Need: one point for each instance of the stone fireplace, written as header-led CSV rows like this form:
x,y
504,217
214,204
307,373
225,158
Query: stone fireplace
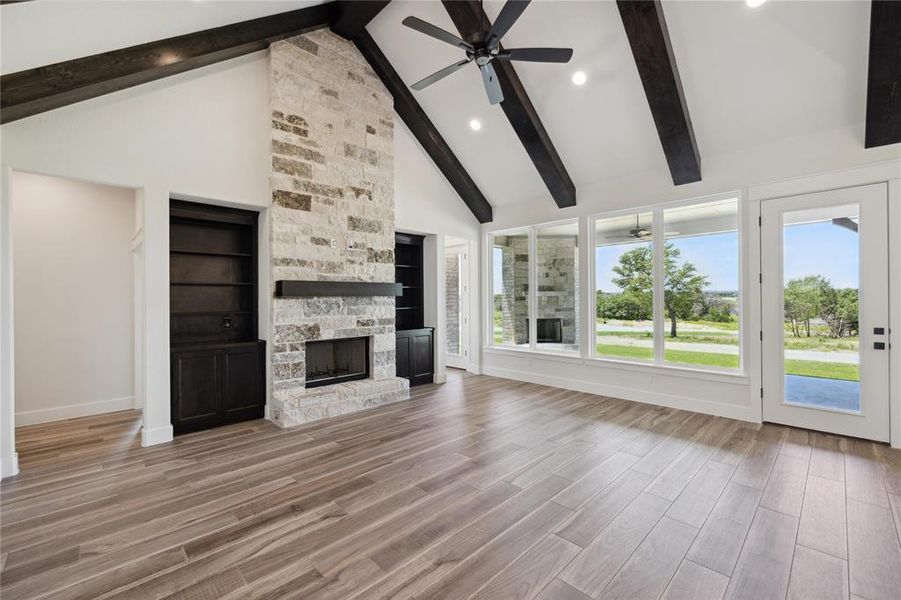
x,y
331,220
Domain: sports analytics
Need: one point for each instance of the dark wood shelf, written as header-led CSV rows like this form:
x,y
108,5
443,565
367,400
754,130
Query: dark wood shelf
x,y
406,266
211,313
211,253
408,308
211,283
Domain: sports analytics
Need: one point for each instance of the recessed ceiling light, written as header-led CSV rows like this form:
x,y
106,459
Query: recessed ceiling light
x,y
754,3
475,125
579,77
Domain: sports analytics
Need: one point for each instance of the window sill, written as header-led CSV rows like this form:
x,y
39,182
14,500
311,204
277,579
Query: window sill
x,y
733,378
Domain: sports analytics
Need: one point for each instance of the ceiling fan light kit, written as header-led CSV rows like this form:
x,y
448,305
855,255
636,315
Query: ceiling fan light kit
x,y
484,47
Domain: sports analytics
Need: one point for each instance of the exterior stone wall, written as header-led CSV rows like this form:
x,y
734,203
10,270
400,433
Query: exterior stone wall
x,y
558,280
452,303
331,218
515,301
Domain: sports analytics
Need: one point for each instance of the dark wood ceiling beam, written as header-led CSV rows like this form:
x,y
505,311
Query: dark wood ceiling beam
x,y
653,53
354,15
469,18
34,91
408,109
884,79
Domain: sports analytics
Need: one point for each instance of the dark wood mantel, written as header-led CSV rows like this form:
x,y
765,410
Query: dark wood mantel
x,y
309,289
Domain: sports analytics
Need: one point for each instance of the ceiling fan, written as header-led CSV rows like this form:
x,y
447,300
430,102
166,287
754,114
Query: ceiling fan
x,y
483,47
640,233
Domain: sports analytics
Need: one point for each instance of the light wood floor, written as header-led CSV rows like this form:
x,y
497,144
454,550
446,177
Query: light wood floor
x,y
481,488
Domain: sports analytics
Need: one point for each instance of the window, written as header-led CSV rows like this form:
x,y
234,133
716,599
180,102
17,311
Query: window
x,y
667,285
700,284
510,270
535,288
557,287
624,286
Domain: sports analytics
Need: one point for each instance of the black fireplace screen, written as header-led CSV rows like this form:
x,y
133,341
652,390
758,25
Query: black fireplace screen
x,y
336,361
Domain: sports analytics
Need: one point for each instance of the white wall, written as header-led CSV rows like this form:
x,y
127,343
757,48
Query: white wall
x,y
427,204
74,298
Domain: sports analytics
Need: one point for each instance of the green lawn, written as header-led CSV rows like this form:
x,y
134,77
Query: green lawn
x,y
807,368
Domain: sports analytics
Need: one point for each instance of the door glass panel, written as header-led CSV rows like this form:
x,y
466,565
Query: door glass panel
x,y
510,270
700,285
821,283
624,258
453,303
557,287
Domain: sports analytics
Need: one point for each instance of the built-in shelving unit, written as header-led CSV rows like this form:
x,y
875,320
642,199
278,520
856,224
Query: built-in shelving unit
x,y
218,364
414,349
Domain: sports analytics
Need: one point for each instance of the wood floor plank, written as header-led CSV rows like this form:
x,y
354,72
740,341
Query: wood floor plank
x,y
784,491
817,576
588,522
692,582
823,526
478,487
874,554
560,590
652,565
700,495
765,563
720,540
599,562
525,578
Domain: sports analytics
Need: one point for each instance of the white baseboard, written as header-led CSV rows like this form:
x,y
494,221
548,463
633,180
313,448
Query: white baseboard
x,y
60,413
741,413
157,435
9,466
440,377
474,368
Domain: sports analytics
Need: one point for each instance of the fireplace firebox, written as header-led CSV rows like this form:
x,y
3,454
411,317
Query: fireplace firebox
x,y
336,361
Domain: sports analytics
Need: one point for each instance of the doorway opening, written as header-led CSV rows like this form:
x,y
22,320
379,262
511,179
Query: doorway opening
x,y
74,300
456,303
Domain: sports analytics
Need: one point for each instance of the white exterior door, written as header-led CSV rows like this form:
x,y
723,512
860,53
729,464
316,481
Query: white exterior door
x,y
825,307
456,288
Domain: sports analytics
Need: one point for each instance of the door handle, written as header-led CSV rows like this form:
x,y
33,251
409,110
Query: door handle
x,y
878,345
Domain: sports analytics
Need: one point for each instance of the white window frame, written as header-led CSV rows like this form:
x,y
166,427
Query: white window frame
x,y
658,241
532,300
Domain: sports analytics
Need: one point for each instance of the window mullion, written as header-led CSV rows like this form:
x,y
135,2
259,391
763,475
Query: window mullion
x,y
533,296
658,245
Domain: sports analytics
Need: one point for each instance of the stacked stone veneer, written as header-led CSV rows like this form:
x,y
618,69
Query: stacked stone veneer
x,y
515,301
331,218
452,302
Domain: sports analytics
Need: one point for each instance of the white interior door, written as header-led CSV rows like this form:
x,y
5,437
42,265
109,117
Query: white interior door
x,y
824,262
456,289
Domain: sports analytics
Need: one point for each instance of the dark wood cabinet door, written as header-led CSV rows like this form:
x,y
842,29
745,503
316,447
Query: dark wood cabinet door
x,y
195,389
402,356
242,383
422,363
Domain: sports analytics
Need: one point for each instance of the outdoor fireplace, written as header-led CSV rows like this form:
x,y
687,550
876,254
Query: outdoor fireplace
x,y
336,361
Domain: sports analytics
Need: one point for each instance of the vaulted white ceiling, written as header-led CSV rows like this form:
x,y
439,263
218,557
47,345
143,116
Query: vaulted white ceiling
x,y
750,76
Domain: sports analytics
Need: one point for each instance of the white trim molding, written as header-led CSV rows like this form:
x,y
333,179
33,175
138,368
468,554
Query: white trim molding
x,y
157,435
10,466
61,413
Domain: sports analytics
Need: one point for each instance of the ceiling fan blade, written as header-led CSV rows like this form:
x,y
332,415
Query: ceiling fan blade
x,y
436,32
549,55
492,85
438,75
512,10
